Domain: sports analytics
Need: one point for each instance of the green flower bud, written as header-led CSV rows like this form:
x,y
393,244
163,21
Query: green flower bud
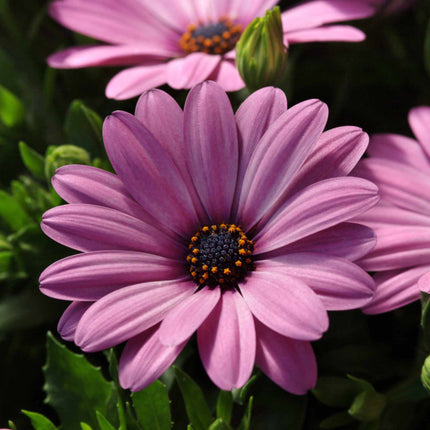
x,y
57,156
367,406
425,373
261,55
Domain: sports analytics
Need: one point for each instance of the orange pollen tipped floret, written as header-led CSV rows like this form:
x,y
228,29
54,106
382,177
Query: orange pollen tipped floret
x,y
211,38
221,256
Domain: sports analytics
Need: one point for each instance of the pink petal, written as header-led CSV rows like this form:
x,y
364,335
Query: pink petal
x,y
283,303
281,151
424,283
88,56
144,359
211,136
340,284
398,148
95,228
182,321
315,208
288,362
244,15
419,120
332,33
319,12
395,289
188,71
398,246
70,319
227,76
134,81
226,342
149,173
92,275
129,311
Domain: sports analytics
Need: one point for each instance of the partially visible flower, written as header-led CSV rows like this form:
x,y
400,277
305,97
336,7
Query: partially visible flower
x,y
400,166
234,226
182,43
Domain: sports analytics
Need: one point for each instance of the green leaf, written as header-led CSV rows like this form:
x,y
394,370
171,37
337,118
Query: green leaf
x,y
224,405
12,212
152,407
12,111
240,394
246,419
367,406
34,162
219,424
74,387
195,404
6,258
335,392
337,420
84,127
104,424
85,426
39,421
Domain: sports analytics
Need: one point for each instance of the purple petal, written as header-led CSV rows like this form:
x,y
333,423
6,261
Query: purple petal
x,y
281,151
188,71
134,81
129,311
284,304
95,228
395,289
149,173
144,359
288,362
332,33
211,136
315,208
227,76
340,284
182,321
70,319
419,120
226,342
90,276
252,10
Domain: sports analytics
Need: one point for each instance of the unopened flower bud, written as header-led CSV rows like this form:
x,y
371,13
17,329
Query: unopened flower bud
x,y
62,155
425,373
261,55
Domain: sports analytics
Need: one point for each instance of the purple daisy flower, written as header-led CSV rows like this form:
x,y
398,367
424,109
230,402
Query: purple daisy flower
x,y
400,166
183,43
234,226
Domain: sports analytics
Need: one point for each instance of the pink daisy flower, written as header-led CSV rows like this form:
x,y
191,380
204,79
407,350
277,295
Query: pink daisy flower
x,y
400,166
185,42
234,226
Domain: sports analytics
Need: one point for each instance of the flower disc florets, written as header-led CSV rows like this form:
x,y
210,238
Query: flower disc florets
x,y
220,255
217,38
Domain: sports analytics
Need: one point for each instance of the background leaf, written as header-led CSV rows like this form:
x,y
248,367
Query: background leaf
x,y
39,421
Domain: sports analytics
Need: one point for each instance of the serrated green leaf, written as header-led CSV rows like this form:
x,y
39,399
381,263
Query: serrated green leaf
x,y
39,421
12,111
195,404
337,420
246,419
85,426
219,424
224,406
152,407
34,162
104,424
12,212
84,127
74,387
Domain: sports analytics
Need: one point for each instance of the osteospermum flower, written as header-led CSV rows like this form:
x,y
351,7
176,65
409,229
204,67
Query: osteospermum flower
x,y
234,226
400,166
182,43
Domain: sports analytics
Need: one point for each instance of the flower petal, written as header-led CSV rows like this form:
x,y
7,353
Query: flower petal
x,y
288,362
332,33
281,151
340,284
149,173
126,312
70,319
144,359
95,228
395,289
419,120
134,81
182,321
211,136
226,342
315,208
227,76
283,303
92,275
190,70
